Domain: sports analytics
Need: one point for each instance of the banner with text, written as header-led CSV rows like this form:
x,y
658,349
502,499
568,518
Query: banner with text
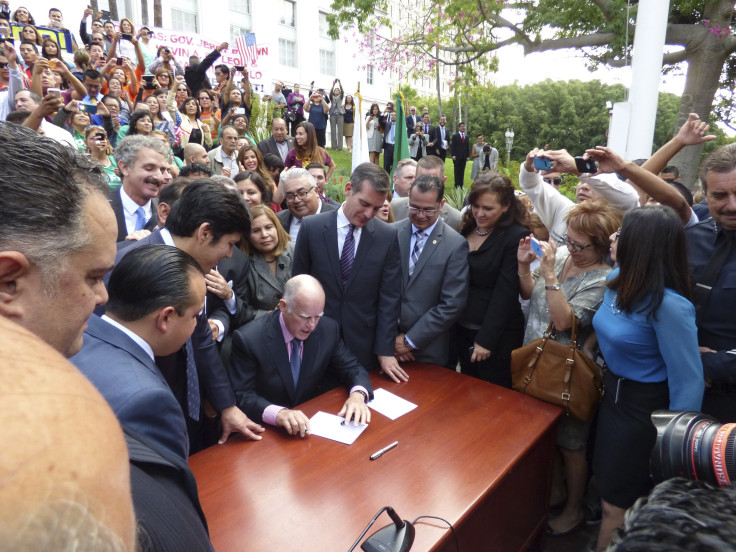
x,y
183,45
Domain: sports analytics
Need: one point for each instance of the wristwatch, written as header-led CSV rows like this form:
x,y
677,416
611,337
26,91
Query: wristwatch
x,y
554,287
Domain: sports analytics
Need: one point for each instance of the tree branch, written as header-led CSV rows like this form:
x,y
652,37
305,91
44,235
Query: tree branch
x,y
667,59
594,39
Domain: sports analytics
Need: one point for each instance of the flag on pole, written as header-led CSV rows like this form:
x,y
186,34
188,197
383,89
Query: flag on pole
x,y
401,139
360,135
247,47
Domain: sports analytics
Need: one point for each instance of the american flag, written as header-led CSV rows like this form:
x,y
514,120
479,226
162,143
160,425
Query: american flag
x,y
247,47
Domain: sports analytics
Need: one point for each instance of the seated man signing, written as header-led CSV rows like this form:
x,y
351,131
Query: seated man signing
x,y
279,359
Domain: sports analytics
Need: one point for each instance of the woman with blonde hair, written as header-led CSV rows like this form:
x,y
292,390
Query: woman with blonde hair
x,y
306,150
271,253
569,284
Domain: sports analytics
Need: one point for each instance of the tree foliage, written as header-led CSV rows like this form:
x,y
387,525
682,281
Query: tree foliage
x,y
464,34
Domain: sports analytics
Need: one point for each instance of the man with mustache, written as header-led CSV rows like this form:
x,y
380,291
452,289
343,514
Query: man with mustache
x,y
142,164
712,260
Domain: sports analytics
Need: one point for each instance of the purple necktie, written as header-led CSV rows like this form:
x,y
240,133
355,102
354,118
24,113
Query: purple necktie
x,y
348,255
193,399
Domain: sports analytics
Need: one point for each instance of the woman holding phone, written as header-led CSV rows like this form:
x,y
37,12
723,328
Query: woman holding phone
x,y
100,150
569,283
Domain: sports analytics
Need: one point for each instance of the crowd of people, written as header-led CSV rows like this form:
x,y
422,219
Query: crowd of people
x,y
240,288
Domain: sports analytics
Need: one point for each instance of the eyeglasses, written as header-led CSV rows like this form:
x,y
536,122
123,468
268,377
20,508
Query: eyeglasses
x,y
3,65
555,181
575,246
425,212
301,194
617,234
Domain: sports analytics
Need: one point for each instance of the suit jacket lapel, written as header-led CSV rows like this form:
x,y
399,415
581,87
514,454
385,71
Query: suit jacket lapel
x,y
264,271
430,246
404,246
366,241
329,232
279,355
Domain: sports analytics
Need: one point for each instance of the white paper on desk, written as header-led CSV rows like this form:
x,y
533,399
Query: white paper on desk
x,y
390,405
330,426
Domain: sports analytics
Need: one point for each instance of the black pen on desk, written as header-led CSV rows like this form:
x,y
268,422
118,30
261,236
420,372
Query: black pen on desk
x,y
381,452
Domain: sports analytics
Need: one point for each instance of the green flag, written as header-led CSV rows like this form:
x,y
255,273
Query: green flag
x,y
401,140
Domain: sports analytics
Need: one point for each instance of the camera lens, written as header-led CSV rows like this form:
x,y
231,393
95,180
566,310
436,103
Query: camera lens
x,y
694,446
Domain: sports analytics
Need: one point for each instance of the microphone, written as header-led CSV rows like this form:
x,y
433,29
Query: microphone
x,y
397,537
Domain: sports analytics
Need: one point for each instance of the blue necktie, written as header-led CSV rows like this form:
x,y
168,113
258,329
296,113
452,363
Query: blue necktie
x,y
140,221
393,127
414,258
295,361
348,255
193,399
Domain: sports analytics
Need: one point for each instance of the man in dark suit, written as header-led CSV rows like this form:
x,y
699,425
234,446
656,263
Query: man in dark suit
x,y
428,131
279,360
206,222
434,269
460,151
389,139
302,200
412,120
155,293
279,143
142,163
440,140
356,259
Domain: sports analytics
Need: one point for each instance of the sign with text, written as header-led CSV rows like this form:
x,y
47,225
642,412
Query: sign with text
x,y
183,45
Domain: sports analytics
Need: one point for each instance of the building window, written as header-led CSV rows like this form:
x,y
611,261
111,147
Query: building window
x,y
287,52
184,20
326,62
236,31
369,74
324,27
288,13
242,6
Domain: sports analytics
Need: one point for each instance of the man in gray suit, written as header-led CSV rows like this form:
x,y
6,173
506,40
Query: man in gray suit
x,y
279,143
434,270
434,166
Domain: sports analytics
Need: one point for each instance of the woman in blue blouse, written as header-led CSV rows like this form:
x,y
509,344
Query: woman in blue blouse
x,y
646,332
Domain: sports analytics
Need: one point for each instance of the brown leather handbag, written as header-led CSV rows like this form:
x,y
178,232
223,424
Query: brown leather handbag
x,y
559,374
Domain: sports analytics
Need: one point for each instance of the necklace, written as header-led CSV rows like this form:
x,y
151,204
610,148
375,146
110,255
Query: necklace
x,y
272,260
614,309
491,229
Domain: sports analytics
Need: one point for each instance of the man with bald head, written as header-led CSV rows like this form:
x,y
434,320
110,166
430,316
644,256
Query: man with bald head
x,y
195,153
279,143
301,346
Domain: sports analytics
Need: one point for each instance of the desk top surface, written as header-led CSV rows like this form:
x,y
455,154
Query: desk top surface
x,y
285,493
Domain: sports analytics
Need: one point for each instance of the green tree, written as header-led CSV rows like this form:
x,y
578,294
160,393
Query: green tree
x,y
462,34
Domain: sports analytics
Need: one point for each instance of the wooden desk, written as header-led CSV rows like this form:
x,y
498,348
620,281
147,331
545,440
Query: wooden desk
x,y
473,453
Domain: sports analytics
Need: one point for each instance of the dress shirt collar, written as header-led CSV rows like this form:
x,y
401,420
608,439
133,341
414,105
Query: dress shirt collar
x,y
142,343
166,236
342,220
427,231
130,206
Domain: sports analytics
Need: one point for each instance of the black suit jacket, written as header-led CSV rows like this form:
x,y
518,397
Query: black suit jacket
x,y
411,122
213,379
460,149
235,270
261,373
165,499
493,297
117,206
368,307
269,145
285,215
437,140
